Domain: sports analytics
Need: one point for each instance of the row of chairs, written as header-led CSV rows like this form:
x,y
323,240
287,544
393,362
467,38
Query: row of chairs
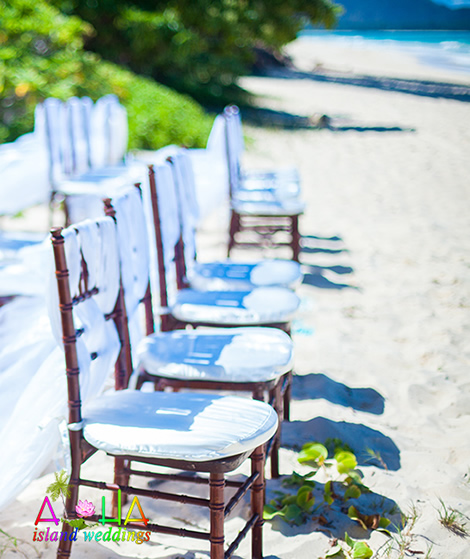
x,y
87,150
191,432
103,280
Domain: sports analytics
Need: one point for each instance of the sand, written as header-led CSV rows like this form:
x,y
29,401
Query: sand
x,y
382,336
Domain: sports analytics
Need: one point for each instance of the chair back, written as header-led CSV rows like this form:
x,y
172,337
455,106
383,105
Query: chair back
x,y
166,219
134,257
185,189
85,308
109,136
51,123
78,114
235,145
80,135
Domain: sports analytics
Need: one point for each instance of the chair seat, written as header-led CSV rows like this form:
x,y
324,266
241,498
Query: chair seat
x,y
229,275
106,179
263,305
268,185
265,208
218,354
279,175
178,426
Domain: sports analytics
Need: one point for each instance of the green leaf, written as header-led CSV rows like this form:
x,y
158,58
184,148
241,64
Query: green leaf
x,y
77,523
361,551
289,500
352,492
355,476
348,540
335,551
294,514
327,493
305,499
269,512
313,454
296,480
60,486
384,522
345,461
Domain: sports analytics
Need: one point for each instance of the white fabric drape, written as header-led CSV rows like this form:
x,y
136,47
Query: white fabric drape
x,y
29,433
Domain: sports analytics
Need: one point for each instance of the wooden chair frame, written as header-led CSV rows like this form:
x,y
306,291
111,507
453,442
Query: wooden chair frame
x,y
81,450
264,226
278,391
169,323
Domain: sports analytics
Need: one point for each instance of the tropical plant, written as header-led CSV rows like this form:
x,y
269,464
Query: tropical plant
x,y
199,47
42,55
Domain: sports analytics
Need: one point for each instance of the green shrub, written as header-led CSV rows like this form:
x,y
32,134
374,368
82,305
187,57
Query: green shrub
x,y
41,55
157,115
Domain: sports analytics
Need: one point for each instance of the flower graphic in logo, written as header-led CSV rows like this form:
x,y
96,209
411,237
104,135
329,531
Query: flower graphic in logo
x,y
85,508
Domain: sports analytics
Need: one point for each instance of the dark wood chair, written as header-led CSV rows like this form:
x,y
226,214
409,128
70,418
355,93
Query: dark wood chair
x,y
263,204
192,433
273,306
262,306
222,274
255,360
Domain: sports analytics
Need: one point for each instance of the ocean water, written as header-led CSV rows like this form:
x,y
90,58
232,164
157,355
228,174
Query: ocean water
x,y
448,50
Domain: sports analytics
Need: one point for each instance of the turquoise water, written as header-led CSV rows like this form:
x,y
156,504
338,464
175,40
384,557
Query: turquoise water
x,y
449,50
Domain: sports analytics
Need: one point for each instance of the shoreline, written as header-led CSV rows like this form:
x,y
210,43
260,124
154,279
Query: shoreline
x,y
310,52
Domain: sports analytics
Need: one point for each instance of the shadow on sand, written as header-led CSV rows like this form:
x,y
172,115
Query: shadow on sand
x,y
260,116
333,520
323,276
371,447
318,385
423,88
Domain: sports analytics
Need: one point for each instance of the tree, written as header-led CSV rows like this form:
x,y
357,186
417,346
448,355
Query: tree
x,y
42,55
196,46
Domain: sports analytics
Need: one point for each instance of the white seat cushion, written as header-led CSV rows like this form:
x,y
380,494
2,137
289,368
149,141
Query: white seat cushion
x,y
280,175
218,354
106,180
270,184
178,426
263,305
229,275
287,207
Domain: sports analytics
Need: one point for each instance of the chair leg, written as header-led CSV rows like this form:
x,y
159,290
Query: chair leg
x,y
120,478
65,546
277,399
295,240
287,396
257,502
234,227
217,505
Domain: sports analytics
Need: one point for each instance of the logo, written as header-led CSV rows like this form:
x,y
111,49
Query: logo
x,y
85,510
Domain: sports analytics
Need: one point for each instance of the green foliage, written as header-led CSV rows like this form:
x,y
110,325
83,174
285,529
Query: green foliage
x,y
197,46
157,115
16,546
403,542
78,523
297,508
350,549
313,454
60,486
42,55
452,519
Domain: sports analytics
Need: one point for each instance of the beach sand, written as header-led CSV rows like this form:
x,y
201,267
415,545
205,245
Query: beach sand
x,y
383,334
